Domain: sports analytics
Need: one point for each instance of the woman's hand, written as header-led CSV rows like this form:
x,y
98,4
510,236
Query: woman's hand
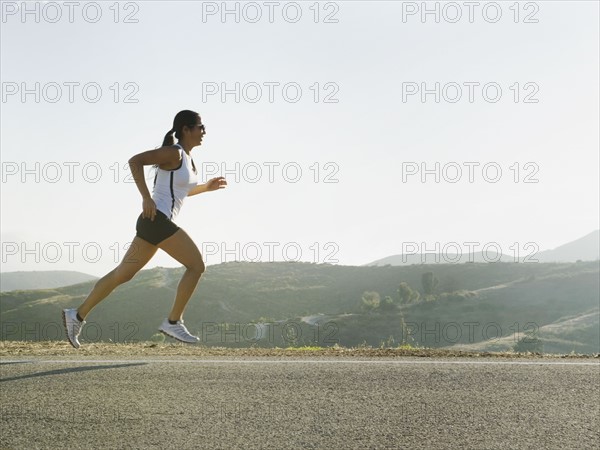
x,y
148,208
216,183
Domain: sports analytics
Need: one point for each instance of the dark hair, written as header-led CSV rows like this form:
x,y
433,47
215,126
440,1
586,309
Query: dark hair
x,y
183,118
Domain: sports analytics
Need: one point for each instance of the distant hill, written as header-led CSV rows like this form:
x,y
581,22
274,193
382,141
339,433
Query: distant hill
x,y
10,281
286,303
446,258
586,248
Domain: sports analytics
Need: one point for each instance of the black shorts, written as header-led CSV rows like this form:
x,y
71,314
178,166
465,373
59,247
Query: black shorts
x,y
157,230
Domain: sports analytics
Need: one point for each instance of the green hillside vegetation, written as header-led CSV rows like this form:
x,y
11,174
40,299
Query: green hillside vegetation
x,y
296,304
521,310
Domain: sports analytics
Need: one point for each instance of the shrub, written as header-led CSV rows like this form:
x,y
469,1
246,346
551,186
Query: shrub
x,y
529,343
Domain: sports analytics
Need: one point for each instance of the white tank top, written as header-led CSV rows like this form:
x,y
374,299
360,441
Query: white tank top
x,y
171,187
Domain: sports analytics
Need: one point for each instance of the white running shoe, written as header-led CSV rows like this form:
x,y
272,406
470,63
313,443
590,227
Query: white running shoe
x,y
178,331
72,325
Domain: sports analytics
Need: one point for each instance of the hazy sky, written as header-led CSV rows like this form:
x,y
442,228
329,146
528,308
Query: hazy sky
x,y
322,117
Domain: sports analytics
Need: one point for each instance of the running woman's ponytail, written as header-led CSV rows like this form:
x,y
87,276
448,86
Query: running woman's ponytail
x,y
168,140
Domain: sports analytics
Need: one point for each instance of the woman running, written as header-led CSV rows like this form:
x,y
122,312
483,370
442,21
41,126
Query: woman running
x,y
176,178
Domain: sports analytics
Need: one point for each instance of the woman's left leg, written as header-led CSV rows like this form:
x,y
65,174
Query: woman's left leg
x,y
181,247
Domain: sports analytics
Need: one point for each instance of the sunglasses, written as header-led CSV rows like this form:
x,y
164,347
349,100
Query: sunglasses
x,y
201,126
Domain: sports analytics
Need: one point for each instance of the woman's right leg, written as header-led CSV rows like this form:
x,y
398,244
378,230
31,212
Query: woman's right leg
x,y
136,257
181,247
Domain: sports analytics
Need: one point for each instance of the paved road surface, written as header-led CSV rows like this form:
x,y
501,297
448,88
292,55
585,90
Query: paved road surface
x,y
298,403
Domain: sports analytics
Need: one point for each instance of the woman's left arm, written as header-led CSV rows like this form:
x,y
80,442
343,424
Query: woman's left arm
x,y
211,185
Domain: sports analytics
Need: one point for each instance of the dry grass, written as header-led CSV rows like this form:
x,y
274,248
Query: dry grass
x,y
59,348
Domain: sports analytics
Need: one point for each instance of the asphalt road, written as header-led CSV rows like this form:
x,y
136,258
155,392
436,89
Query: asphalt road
x,y
58,402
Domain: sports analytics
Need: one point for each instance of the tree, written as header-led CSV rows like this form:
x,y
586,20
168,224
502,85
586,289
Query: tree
x,y
430,283
406,294
387,304
370,300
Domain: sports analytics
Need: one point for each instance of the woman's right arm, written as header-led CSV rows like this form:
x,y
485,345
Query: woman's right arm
x,y
165,155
